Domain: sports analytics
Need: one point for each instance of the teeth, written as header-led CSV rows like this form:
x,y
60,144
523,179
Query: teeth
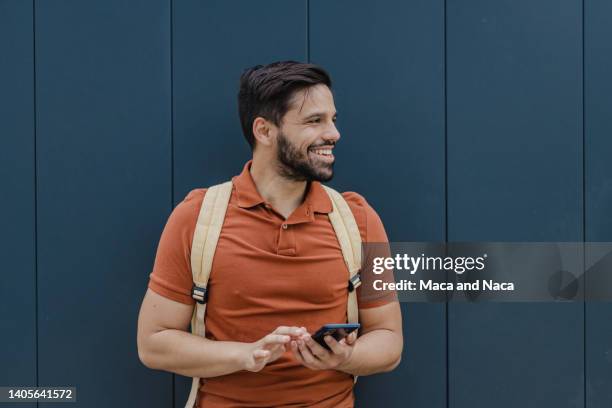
x,y
323,151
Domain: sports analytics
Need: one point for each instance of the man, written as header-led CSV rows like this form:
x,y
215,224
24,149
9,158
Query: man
x,y
278,272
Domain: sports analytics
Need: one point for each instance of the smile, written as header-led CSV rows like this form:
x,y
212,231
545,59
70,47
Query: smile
x,y
323,155
322,152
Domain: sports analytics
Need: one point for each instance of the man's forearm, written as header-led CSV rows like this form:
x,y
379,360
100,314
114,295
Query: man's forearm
x,y
374,352
192,356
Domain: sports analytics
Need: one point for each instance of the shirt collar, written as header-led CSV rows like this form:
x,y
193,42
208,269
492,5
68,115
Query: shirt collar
x,y
316,199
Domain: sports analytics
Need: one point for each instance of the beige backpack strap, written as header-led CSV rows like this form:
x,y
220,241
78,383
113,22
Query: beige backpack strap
x,y
348,235
205,238
347,232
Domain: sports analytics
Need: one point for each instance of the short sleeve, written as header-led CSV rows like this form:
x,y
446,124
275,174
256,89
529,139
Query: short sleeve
x,y
171,276
376,243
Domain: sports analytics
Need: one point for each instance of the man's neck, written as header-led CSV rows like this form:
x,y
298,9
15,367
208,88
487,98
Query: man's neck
x,y
282,194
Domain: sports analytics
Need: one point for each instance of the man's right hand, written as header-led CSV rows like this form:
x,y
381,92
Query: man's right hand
x,y
164,343
270,347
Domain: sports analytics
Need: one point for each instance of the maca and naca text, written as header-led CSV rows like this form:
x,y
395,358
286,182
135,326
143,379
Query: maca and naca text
x,y
430,285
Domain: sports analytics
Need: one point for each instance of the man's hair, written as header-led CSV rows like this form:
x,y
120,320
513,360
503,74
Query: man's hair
x,y
267,90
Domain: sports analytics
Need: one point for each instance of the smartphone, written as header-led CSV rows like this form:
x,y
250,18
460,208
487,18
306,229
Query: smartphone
x,y
338,331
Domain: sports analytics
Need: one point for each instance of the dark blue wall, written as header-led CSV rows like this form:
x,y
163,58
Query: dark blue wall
x,y
18,204
461,120
514,121
598,190
103,126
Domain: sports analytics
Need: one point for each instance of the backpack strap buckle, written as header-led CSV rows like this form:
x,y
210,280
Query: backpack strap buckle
x,y
200,294
354,282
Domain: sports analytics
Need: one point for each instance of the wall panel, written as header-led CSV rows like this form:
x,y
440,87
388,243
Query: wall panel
x,y
17,172
598,188
104,191
515,174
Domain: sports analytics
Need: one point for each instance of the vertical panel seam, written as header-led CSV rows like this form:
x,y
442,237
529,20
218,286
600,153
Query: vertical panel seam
x,y
446,195
171,104
584,225
308,30
35,191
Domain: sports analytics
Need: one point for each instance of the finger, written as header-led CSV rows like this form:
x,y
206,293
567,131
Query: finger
x,y
289,330
276,339
296,352
334,345
307,356
295,349
316,349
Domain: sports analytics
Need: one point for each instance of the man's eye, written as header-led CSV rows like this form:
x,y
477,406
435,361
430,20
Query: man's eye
x,y
314,120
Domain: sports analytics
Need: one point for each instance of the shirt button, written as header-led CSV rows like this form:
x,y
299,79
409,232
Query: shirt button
x,y
284,226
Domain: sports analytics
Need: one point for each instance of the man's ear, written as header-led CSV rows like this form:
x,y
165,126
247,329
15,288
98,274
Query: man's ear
x,y
264,131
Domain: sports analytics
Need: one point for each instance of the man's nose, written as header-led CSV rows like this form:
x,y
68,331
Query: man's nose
x,y
333,134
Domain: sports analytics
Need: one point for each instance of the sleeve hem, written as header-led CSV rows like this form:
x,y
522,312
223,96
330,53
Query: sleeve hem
x,y
378,303
169,294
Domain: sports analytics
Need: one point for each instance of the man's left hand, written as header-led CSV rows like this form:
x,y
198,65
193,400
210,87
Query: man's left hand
x,y
314,356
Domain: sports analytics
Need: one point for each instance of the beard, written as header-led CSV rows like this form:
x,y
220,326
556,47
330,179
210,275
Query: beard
x,y
297,166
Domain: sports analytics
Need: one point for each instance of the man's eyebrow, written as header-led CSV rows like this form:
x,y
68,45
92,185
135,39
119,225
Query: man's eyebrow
x,y
314,114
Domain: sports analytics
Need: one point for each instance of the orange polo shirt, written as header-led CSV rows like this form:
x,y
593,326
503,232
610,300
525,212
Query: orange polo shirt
x,y
268,272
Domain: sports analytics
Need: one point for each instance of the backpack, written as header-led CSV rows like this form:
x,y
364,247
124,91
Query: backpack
x,y
206,235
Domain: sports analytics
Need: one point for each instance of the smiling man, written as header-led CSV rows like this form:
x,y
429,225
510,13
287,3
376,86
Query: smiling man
x,y
278,272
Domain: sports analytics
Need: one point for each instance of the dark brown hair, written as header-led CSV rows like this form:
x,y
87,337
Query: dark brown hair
x,y
267,90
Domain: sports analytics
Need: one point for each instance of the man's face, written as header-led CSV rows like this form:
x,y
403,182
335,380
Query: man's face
x,y
307,136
